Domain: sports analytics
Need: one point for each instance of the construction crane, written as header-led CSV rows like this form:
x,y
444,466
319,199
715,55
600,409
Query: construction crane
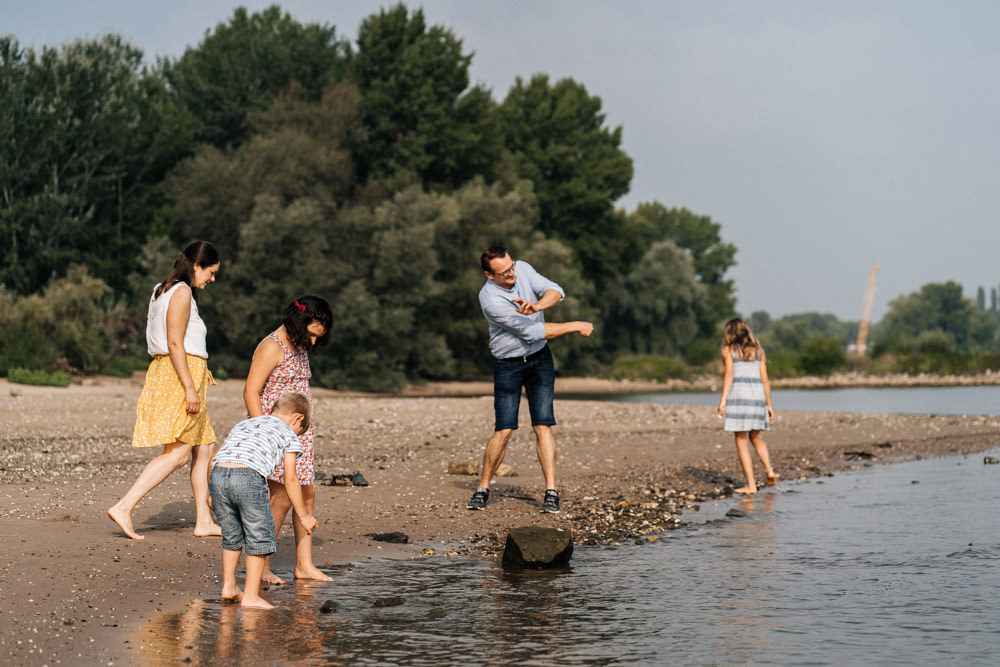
x,y
866,314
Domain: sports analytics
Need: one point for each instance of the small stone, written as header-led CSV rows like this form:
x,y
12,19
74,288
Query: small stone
x,y
505,470
988,460
735,513
463,468
427,552
393,538
392,601
437,612
328,607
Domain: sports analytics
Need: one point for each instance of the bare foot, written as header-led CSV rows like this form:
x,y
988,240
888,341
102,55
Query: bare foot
x,y
234,595
211,530
269,577
256,603
311,572
772,479
745,490
124,521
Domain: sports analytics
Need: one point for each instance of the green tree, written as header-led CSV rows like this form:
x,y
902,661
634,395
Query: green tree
x,y
759,321
418,112
822,356
560,143
654,308
299,150
941,307
240,68
88,133
697,234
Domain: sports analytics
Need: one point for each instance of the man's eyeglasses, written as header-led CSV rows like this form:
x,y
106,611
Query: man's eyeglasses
x,y
505,274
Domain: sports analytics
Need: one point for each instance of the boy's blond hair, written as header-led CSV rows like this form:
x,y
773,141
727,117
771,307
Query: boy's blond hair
x,y
293,402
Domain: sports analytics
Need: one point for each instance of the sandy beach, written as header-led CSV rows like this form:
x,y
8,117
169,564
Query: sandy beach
x,y
76,590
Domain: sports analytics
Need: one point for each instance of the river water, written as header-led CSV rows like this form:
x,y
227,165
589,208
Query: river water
x,y
889,564
981,400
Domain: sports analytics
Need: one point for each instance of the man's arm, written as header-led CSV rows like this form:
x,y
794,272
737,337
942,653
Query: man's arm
x,y
556,329
549,299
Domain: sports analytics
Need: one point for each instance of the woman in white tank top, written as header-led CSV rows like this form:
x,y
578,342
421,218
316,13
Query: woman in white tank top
x,y
172,409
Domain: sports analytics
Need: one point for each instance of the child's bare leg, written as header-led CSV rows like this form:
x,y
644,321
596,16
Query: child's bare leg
x,y
173,457
765,458
201,466
280,504
304,568
230,589
251,587
743,452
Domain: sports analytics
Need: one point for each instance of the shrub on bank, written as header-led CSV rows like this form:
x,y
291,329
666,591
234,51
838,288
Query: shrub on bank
x,y
649,367
39,377
822,356
75,325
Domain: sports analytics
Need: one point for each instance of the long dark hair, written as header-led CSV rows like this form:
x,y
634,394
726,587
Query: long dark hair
x,y
302,312
201,253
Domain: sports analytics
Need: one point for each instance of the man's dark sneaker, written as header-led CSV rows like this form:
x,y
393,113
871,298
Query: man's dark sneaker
x,y
479,499
550,504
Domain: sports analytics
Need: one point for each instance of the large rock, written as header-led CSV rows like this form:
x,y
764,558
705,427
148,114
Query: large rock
x,y
537,547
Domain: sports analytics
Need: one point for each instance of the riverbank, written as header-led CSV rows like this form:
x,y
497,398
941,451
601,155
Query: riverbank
x,y
76,589
713,383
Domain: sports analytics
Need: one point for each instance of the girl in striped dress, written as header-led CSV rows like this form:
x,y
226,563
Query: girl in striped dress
x,y
746,399
280,365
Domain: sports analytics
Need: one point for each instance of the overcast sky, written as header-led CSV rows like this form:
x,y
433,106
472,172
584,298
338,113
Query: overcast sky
x,y
825,137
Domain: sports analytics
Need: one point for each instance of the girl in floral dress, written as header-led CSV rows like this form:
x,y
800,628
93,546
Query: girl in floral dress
x,y
280,365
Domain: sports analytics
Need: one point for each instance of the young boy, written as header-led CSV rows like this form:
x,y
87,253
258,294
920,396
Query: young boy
x,y
239,491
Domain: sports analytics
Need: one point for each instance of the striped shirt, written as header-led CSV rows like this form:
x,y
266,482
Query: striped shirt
x,y
260,443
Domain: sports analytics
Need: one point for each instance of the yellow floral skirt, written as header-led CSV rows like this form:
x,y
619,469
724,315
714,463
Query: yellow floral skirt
x,y
162,416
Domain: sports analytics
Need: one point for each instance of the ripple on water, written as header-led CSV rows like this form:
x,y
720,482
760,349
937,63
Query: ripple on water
x,y
864,568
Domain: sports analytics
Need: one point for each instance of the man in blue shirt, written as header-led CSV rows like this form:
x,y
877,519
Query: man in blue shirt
x,y
512,301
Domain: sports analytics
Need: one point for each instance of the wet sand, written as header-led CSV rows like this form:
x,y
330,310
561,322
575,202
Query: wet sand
x,y
76,590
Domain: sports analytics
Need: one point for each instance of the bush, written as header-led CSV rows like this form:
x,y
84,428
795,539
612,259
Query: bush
x,y
75,325
702,352
782,365
123,366
649,367
39,377
822,356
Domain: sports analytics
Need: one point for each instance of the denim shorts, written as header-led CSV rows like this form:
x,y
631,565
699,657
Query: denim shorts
x,y
537,374
240,501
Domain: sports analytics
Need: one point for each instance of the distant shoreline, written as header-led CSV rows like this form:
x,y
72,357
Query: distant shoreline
x,y
707,383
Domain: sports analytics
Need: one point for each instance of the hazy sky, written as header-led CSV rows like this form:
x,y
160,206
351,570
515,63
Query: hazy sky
x,y
825,137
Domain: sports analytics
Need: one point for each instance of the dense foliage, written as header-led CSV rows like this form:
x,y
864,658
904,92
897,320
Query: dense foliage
x,y
371,172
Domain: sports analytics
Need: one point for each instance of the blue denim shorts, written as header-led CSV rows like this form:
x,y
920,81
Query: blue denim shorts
x,y
537,374
240,501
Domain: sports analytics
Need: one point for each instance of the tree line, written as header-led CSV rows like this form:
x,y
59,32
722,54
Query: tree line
x,y
368,170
